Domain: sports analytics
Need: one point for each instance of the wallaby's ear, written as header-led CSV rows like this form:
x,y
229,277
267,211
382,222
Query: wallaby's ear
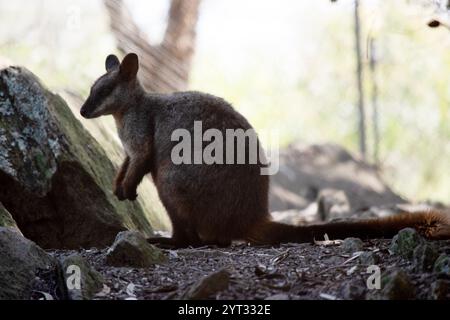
x,y
112,62
130,66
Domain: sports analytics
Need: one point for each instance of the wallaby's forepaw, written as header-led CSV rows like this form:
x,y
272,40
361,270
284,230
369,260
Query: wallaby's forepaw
x,y
132,196
123,194
118,192
129,193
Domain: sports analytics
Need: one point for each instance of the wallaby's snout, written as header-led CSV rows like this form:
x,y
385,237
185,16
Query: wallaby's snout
x,y
110,92
84,114
86,109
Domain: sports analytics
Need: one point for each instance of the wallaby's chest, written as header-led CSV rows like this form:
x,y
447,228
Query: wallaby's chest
x,y
134,133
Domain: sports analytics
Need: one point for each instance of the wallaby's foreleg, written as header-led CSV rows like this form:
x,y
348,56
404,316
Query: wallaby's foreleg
x,y
138,167
119,179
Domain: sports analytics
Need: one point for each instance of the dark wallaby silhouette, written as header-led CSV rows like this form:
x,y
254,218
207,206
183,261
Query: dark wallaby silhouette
x,y
215,203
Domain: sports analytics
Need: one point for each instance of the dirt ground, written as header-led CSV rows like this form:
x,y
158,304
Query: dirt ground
x,y
290,271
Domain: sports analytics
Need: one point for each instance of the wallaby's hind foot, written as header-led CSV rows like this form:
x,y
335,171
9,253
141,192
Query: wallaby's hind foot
x,y
162,242
170,243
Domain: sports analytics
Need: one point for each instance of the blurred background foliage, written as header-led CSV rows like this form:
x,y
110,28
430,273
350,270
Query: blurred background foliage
x,y
286,65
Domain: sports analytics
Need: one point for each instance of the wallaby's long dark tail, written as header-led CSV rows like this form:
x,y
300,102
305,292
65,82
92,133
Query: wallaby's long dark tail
x,y
432,225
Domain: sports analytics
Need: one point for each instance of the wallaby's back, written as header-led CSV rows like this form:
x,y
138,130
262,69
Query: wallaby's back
x,y
219,202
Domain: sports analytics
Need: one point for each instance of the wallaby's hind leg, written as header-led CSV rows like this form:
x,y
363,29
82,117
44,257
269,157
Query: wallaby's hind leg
x,y
164,243
181,238
184,235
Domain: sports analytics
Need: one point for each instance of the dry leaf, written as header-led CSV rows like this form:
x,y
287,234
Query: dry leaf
x,y
131,298
355,256
327,296
279,257
351,270
327,241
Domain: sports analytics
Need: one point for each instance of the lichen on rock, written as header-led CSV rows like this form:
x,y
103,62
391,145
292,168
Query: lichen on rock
x,y
405,242
130,249
89,283
6,220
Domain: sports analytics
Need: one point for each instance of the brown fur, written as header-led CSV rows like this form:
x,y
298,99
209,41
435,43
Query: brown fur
x,y
430,224
210,204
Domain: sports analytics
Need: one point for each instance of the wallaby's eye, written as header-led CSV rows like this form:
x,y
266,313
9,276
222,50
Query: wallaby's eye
x,y
102,88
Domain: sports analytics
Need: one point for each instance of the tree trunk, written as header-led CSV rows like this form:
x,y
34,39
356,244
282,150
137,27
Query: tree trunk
x,y
359,76
375,114
164,67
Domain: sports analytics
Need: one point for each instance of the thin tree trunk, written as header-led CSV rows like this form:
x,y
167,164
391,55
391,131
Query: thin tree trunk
x,y
164,67
359,75
375,114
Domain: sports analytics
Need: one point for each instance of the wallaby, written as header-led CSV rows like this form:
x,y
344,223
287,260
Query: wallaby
x,y
217,203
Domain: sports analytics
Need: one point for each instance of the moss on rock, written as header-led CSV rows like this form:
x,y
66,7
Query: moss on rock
x,y
6,220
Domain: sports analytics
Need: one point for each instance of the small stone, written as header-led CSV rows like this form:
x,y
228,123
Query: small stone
x,y
440,290
131,249
405,242
353,291
369,258
89,283
396,286
424,257
351,245
442,264
209,285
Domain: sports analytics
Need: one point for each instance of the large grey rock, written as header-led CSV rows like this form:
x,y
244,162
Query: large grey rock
x,y
21,263
131,249
306,170
55,178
